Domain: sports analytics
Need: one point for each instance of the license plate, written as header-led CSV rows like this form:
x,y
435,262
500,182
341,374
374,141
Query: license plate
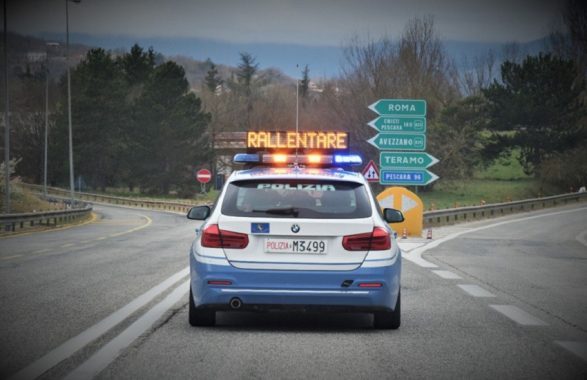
x,y
317,247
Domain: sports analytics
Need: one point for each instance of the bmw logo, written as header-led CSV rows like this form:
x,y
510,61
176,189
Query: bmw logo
x,y
295,228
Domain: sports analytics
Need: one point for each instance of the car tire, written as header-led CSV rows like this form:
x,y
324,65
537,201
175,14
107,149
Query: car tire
x,y
200,317
389,320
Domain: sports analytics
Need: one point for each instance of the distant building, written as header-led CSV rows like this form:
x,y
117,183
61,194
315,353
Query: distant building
x,y
314,87
35,56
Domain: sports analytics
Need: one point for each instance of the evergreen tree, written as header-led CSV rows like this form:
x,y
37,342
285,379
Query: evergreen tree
x,y
537,107
456,138
173,126
137,65
99,117
246,72
305,82
212,79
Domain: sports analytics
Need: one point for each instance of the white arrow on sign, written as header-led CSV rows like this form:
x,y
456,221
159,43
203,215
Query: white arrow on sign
x,y
408,203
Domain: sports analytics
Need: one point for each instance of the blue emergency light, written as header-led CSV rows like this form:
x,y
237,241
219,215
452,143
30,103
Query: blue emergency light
x,y
244,158
348,159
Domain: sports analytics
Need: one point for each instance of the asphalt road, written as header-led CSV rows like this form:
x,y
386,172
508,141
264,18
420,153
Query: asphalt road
x,y
499,298
54,285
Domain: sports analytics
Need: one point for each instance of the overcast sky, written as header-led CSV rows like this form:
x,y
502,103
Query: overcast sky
x,y
306,22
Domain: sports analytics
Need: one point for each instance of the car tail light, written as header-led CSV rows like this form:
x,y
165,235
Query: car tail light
x,y
214,237
380,240
219,282
376,240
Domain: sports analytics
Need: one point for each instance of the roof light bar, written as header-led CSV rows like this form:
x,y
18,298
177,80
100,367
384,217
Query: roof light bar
x,y
306,159
314,158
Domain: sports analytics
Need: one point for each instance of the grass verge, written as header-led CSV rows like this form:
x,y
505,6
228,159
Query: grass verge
x,y
473,192
198,198
23,201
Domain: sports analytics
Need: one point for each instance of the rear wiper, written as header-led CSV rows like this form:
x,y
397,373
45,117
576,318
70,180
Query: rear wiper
x,y
281,211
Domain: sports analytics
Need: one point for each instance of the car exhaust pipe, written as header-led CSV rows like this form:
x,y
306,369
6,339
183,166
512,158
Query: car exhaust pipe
x,y
235,303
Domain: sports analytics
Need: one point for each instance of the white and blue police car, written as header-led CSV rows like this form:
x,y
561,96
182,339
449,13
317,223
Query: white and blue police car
x,y
295,231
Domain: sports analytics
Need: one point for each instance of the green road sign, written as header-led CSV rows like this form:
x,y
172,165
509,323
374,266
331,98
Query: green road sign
x,y
399,107
398,141
412,177
399,124
406,160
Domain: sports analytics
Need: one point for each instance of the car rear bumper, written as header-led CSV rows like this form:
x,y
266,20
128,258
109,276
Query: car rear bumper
x,y
271,289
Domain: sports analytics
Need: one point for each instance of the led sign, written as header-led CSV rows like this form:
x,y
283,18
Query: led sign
x,y
293,140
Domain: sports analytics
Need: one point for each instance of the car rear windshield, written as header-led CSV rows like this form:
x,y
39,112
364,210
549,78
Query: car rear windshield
x,y
296,199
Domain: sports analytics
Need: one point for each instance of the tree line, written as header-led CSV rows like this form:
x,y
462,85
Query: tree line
x,y
135,123
138,124
534,106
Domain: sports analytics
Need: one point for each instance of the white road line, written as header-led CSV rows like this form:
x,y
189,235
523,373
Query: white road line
x,y
408,246
518,315
41,251
415,256
101,359
10,257
582,238
72,345
447,275
577,348
476,291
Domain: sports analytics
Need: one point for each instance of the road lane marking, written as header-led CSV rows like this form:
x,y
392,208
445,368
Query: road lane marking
x,y
149,222
10,257
71,346
408,246
518,315
582,238
447,275
577,348
101,359
118,222
41,251
415,255
476,291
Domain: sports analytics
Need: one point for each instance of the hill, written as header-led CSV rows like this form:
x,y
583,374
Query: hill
x,y
29,52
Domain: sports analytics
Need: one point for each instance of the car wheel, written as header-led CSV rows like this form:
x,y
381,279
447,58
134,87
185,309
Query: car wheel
x,y
389,319
199,317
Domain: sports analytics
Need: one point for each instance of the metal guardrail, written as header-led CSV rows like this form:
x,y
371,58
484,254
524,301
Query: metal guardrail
x,y
431,218
121,201
12,222
467,214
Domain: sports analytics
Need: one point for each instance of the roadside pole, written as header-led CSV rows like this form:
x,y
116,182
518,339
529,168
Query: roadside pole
x,y
6,122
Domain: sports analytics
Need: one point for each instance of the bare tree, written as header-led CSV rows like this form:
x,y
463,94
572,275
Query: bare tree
x,y
569,38
415,67
481,74
427,71
512,51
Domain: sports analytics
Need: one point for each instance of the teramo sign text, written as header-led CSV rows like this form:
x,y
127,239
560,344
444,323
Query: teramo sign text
x,y
293,140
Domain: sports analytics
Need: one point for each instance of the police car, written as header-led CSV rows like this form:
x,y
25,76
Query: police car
x,y
295,231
